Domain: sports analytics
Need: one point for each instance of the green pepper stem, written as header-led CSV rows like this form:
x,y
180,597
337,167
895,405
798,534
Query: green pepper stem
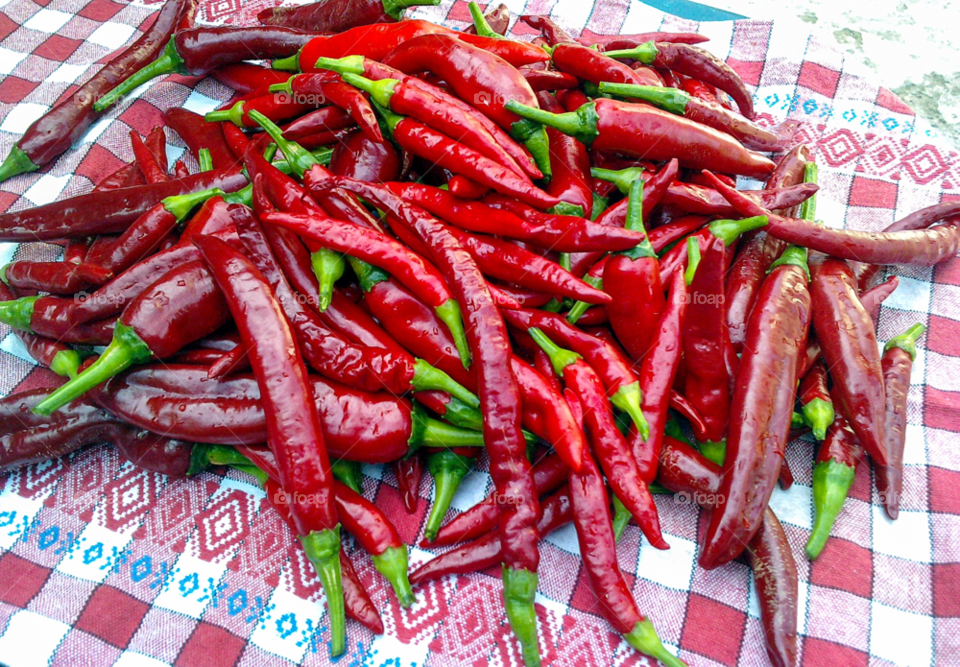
x,y
180,206
126,349
644,638
622,178
669,99
380,91
427,377
205,159
599,206
222,455
169,62
480,22
389,118
808,209
580,307
831,483
392,564
580,124
819,414
66,363
566,208
621,517
18,313
300,159
448,469
233,115
395,8
449,314
797,420
693,259
728,230
345,65
243,196
714,451
634,219
627,398
328,267
794,256
559,357
519,595
460,414
348,473
435,433
367,274
323,550
907,341
17,162
288,64
538,143
645,53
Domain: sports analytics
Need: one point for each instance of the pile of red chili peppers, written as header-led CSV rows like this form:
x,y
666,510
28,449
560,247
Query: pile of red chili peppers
x,y
428,247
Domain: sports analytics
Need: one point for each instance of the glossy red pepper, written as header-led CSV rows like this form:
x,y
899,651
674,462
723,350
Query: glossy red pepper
x,y
816,405
408,472
146,161
590,65
54,132
198,133
53,277
325,88
570,182
761,408
248,77
898,357
356,156
541,80
643,131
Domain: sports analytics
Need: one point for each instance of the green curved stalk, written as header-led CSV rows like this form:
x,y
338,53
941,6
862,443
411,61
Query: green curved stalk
x,y
559,357
693,259
18,313
392,564
66,363
396,8
427,377
323,550
628,398
169,62
449,313
907,341
348,473
328,267
580,124
644,638
669,99
288,64
645,53
819,414
622,178
448,469
621,517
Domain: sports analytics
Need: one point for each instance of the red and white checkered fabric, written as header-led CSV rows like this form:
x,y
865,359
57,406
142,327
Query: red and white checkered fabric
x,y
103,564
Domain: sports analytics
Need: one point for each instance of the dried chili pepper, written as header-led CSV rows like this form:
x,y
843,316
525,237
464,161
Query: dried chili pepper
x,y
338,15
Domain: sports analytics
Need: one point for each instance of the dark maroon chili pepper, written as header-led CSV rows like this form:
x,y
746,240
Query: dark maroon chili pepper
x,y
549,28
153,452
408,472
924,247
56,130
203,357
199,51
694,62
500,402
180,307
549,80
816,404
198,133
326,121
712,115
156,143
608,444
53,277
610,42
356,156
338,15
485,551
106,212
27,438
684,470
247,77
321,89
126,176
849,344
147,161
761,408
898,357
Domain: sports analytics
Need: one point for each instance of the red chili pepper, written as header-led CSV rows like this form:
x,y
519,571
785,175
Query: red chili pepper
x,y
915,247
338,15
610,42
182,306
325,88
683,470
126,176
590,65
692,198
105,212
54,132
694,62
480,76
356,156
53,277
198,133
549,80
898,357
247,77
608,444
146,161
277,106
761,408
849,344
571,182
408,473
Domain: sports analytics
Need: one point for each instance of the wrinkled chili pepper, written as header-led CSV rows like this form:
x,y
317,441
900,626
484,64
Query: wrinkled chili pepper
x,y
815,401
53,277
54,132
338,15
608,444
408,472
105,212
761,407
199,51
898,357
180,307
694,62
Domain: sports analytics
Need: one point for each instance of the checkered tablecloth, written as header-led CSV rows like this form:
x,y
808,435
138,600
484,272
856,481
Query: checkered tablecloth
x,y
103,564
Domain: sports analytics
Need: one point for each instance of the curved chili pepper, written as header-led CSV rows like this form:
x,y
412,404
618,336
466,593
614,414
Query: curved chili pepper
x,y
914,247
54,132
761,408
480,76
710,114
500,402
570,182
146,161
325,88
607,442
815,402
105,212
694,62
485,551
26,438
549,80
591,516
54,277
898,356
338,15
199,51
643,131
325,122
182,306
589,38
847,338
683,470
706,345
549,28
692,198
